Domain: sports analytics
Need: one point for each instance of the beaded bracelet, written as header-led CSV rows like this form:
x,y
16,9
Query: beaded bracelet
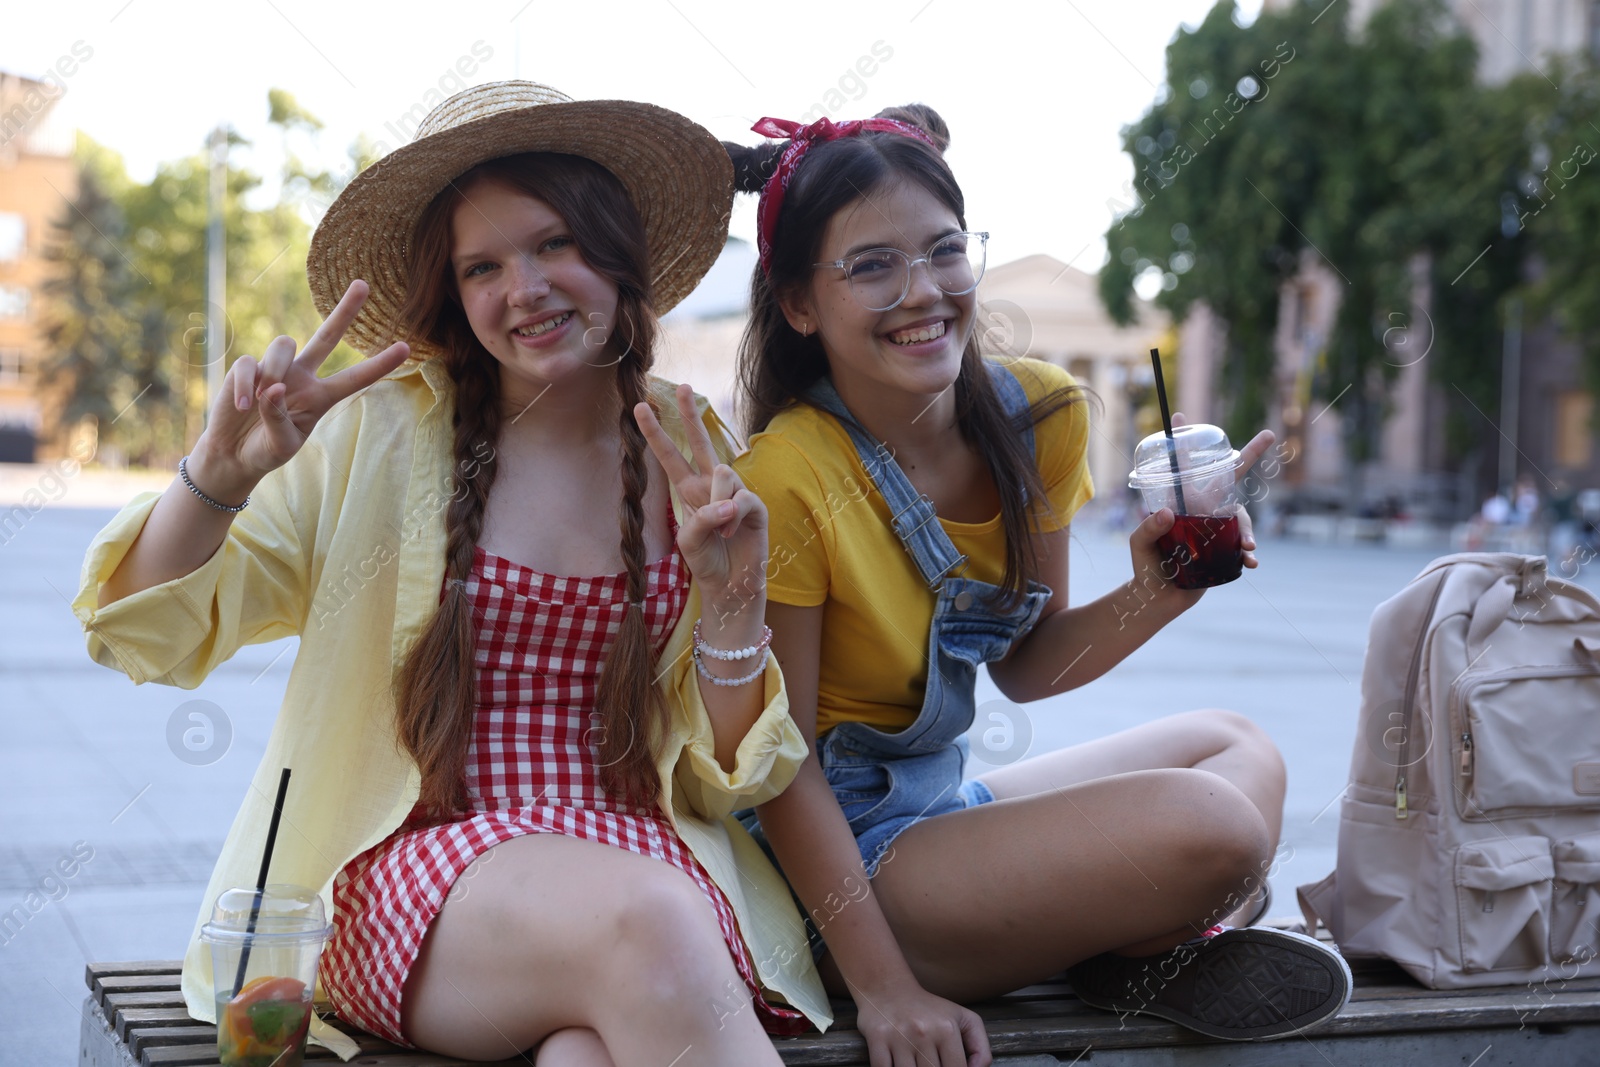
x,y
183,472
729,655
761,668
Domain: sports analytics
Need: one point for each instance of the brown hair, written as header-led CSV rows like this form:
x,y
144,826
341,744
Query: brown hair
x,y
435,692
777,364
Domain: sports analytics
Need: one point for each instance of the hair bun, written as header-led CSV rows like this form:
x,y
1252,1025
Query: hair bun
x,y
923,118
753,164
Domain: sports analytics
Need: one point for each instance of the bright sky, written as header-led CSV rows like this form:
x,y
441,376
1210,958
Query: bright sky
x,y
1035,94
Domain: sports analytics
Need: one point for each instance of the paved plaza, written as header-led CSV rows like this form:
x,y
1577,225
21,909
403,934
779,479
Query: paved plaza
x,y
90,765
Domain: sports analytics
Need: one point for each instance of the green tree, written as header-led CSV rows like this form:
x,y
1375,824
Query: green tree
x,y
129,309
1368,152
1221,187
1559,204
102,325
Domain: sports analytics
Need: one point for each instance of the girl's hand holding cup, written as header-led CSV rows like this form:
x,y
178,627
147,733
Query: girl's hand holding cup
x,y
1198,533
267,409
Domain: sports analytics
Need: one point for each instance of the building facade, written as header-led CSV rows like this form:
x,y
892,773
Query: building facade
x,y
37,183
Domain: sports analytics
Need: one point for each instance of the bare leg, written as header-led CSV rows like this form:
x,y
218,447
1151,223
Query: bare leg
x,y
987,900
560,933
1222,742
573,1047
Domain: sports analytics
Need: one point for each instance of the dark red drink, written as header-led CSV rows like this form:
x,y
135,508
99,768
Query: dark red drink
x,y
1201,551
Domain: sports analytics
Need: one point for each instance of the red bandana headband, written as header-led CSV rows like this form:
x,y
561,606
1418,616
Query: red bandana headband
x,y
801,140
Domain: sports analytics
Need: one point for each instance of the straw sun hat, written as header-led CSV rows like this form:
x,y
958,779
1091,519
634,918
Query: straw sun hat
x,y
677,173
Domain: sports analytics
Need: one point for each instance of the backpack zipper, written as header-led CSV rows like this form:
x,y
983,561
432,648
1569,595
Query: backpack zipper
x,y
1400,808
1458,707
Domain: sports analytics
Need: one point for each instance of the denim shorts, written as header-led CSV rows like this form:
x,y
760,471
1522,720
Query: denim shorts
x,y
881,799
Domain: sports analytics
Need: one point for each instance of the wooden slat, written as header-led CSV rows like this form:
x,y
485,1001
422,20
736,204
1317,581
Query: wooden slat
x,y
133,983
836,1047
128,1018
161,1036
181,1056
161,998
1463,1012
145,1008
1417,991
206,1056
92,971
371,1045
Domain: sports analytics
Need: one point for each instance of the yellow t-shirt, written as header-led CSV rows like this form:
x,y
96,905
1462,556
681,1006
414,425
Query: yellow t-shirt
x,y
831,543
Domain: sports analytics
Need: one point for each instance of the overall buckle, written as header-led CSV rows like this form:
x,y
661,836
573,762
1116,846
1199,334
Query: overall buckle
x,y
928,516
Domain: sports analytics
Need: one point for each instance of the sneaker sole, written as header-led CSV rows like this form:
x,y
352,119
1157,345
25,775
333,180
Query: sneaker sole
x,y
1255,984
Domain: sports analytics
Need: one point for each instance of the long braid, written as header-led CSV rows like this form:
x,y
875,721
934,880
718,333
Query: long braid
x,y
630,703
435,692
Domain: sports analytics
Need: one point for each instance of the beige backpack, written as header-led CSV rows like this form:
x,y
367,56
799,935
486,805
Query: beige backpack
x,y
1469,837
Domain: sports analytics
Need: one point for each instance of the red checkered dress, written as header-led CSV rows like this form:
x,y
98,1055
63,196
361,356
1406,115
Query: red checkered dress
x,y
531,768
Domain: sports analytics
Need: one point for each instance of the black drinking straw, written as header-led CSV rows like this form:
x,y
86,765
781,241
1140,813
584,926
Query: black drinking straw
x,y
1166,422
261,880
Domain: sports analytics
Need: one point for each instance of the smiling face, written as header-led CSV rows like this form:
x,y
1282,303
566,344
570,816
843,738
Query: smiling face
x,y
531,298
912,350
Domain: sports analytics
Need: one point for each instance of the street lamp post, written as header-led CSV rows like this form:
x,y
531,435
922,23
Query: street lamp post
x,y
1510,398
216,269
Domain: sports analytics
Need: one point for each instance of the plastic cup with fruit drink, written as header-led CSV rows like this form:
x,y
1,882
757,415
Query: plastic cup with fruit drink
x,y
262,1020
1193,473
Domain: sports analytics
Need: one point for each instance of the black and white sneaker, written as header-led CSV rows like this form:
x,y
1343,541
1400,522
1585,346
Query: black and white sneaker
x,y
1239,985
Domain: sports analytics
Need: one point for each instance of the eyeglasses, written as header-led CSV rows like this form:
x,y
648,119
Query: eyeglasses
x,y
880,278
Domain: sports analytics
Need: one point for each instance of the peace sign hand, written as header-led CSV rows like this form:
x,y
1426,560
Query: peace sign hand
x,y
724,534
266,410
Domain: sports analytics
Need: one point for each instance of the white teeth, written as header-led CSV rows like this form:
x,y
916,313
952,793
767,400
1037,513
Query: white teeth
x,y
924,333
544,327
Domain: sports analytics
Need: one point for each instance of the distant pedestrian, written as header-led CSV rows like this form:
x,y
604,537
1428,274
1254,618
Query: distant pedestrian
x,y
1496,510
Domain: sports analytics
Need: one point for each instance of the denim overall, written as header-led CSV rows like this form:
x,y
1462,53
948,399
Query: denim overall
x,y
886,782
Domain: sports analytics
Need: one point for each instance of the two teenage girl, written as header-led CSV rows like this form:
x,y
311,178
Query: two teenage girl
x,y
547,859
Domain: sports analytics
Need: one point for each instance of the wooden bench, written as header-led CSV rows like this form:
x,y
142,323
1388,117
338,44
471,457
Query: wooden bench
x,y
134,1015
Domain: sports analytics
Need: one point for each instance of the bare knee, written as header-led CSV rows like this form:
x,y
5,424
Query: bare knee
x,y
573,1047
669,952
1221,835
1231,732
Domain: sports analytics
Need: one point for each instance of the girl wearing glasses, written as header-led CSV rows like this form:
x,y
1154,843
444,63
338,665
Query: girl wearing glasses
x,y
919,498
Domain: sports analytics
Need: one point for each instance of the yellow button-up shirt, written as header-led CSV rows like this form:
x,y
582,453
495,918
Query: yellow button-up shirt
x,y
345,546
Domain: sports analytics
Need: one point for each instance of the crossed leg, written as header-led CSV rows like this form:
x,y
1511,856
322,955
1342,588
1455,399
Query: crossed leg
x,y
1223,742
593,951
1131,843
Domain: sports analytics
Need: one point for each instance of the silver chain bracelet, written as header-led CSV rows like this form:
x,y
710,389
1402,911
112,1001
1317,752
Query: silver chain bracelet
x,y
183,472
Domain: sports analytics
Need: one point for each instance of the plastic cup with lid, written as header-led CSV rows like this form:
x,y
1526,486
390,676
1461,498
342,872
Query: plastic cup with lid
x,y
1194,473
264,1011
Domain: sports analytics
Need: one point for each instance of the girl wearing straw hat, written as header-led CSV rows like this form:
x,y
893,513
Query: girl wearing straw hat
x,y
518,730
919,499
